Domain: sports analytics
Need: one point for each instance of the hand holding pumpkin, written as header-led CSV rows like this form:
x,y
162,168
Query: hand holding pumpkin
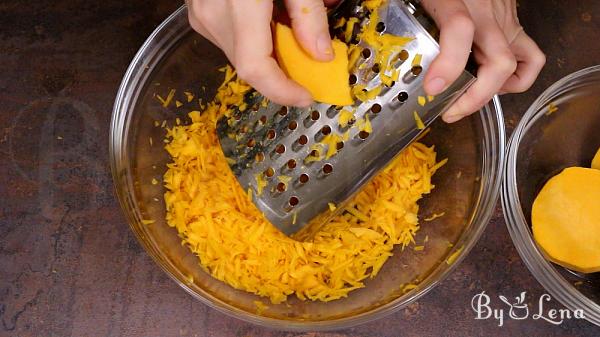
x,y
242,29
509,60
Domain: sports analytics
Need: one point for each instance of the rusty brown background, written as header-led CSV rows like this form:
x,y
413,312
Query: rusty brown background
x,y
69,265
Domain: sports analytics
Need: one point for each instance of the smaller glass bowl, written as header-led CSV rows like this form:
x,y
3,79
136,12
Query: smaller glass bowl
x,y
560,130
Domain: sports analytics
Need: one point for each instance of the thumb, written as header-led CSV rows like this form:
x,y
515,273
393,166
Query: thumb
x,y
310,26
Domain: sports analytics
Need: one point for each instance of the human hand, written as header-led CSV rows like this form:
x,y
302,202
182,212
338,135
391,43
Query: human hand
x,y
509,60
242,29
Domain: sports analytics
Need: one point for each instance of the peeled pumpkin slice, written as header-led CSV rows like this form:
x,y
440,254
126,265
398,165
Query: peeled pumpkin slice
x,y
326,81
596,161
566,219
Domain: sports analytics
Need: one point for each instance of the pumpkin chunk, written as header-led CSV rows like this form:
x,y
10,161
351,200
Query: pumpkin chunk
x,y
327,82
566,219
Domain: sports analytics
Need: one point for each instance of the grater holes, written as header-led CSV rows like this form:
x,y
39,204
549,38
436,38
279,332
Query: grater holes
x,y
281,187
294,201
400,58
416,70
315,115
376,108
291,164
403,55
363,135
312,118
271,134
376,68
251,142
300,142
380,27
339,145
283,111
327,169
259,157
385,88
402,96
280,149
325,130
352,79
332,111
304,178
269,172
366,53
263,120
293,125
313,156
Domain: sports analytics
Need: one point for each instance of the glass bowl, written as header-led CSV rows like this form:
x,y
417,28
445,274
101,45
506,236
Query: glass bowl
x,y
174,57
542,145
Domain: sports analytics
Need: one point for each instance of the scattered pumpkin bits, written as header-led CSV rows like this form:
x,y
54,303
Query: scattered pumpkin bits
x,y
566,219
326,81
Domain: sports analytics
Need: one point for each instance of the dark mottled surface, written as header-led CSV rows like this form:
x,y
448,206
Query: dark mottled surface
x,y
69,265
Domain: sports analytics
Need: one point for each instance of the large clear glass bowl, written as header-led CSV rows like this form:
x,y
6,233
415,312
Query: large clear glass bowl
x,y
466,190
542,145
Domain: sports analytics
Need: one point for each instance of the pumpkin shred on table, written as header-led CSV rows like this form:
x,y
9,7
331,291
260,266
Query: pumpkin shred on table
x,y
217,220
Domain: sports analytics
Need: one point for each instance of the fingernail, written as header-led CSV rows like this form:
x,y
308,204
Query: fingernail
x,y
436,86
452,118
324,46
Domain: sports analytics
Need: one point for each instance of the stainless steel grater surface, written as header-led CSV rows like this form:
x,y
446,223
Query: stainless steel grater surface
x,y
274,145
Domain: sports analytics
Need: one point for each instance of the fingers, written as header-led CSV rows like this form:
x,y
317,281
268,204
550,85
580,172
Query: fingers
x,y
196,24
252,54
497,64
530,60
456,37
309,23
205,17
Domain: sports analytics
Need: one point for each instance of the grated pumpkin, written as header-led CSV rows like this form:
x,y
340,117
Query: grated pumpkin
x,y
237,245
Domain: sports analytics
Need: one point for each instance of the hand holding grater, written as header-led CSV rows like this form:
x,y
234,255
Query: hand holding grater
x,y
299,162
